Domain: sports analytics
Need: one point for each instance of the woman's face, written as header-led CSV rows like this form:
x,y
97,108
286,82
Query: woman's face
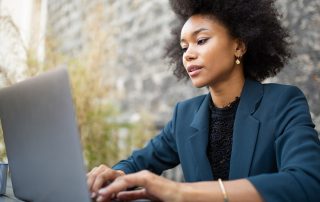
x,y
209,51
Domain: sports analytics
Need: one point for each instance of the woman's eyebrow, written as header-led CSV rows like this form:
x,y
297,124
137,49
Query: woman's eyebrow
x,y
195,33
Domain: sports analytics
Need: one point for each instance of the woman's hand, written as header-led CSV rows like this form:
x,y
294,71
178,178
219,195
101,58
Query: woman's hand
x,y
152,186
101,176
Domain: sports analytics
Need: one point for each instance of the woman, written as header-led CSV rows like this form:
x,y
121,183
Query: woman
x,y
258,138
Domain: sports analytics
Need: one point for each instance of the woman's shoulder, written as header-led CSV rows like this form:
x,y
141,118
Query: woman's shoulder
x,y
284,96
281,89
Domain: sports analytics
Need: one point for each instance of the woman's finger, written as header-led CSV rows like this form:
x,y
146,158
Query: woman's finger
x,y
103,178
91,177
123,183
100,176
132,195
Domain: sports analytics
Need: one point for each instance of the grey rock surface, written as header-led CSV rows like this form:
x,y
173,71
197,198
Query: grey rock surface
x,y
144,78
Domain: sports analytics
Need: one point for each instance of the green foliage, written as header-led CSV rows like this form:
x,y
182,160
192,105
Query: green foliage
x,y
3,154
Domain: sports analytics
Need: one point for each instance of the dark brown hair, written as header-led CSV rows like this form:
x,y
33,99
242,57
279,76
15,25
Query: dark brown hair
x,y
255,22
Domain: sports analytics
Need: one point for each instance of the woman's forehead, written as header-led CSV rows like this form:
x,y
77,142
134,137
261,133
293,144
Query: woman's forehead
x,y
198,23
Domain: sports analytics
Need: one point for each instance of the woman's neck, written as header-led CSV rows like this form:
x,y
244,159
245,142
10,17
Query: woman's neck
x,y
224,93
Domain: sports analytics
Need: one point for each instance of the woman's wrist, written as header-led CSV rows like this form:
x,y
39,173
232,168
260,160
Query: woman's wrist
x,y
183,192
202,191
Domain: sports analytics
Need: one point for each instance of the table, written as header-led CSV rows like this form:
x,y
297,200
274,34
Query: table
x,y
9,196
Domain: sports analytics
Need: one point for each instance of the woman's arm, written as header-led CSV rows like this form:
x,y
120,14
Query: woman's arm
x,y
236,190
158,155
297,152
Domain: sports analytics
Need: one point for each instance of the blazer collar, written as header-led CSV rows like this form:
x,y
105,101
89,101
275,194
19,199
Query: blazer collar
x,y
249,101
251,96
198,141
245,130
244,133
201,119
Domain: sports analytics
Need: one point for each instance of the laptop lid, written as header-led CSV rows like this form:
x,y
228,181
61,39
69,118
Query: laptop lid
x,y
42,140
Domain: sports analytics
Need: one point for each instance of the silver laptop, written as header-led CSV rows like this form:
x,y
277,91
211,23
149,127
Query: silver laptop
x,y
42,140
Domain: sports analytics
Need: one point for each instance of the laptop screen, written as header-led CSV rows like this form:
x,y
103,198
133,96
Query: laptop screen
x,y
42,140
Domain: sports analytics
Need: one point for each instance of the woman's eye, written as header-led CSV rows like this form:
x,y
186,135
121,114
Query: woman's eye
x,y
202,41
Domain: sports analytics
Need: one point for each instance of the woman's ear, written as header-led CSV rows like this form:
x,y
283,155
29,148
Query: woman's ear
x,y
240,49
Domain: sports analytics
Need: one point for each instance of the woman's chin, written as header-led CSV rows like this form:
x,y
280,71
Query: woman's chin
x,y
198,84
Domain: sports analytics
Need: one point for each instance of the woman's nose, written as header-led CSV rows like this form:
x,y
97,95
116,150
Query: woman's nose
x,y
190,54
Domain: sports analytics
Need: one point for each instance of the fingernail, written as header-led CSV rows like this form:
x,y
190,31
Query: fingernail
x,y
99,198
102,191
93,195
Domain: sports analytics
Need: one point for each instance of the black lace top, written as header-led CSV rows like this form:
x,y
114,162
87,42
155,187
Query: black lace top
x,y
220,138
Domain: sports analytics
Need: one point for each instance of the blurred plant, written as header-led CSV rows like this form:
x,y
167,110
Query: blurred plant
x,y
12,55
105,136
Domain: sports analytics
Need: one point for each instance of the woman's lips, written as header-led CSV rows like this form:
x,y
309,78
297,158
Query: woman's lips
x,y
194,70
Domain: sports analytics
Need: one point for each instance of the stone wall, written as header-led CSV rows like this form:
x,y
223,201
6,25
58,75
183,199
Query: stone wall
x,y
147,81
65,23
140,29
150,84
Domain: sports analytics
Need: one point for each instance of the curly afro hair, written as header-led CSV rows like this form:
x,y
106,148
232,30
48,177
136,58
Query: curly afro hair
x,y
255,22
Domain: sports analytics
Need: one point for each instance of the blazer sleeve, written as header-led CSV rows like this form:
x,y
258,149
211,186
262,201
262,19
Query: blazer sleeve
x,y
158,155
297,150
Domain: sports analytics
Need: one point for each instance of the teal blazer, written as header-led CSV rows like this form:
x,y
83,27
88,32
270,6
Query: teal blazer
x,y
275,145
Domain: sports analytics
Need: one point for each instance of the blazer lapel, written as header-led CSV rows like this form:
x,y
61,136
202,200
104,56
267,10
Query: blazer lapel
x,y
198,141
245,131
